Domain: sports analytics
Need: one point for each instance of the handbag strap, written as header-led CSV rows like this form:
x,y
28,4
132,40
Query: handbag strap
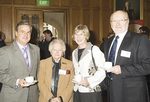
x,y
93,58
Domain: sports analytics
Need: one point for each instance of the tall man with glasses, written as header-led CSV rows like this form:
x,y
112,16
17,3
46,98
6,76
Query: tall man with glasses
x,y
131,62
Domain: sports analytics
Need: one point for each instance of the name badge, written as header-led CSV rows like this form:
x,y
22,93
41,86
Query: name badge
x,y
126,54
62,72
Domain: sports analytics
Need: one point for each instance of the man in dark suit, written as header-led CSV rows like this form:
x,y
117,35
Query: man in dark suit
x,y
14,67
44,42
131,62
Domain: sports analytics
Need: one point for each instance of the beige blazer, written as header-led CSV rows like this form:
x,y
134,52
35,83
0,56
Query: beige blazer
x,y
65,85
13,67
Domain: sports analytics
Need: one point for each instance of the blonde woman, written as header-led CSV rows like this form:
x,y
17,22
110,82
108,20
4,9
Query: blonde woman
x,y
85,87
55,75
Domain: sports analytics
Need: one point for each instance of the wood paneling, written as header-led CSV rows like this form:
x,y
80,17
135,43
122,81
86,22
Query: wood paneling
x,y
24,2
75,20
85,3
95,3
86,17
76,17
55,3
6,22
94,13
75,3
0,19
18,2
65,3
31,13
146,13
96,26
106,9
29,2
5,1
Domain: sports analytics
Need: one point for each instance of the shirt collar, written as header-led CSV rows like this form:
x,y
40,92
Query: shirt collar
x,y
121,35
20,46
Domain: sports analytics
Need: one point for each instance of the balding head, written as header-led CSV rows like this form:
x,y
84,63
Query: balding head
x,y
119,21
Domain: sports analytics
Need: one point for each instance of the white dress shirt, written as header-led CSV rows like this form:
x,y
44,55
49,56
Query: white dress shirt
x,y
121,36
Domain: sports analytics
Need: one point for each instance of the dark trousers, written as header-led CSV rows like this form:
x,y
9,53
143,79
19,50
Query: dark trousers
x,y
87,97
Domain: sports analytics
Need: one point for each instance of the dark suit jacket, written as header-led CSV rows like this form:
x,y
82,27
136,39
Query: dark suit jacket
x,y
13,67
44,49
2,43
134,58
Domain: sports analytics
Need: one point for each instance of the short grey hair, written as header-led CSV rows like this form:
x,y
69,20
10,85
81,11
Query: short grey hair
x,y
59,41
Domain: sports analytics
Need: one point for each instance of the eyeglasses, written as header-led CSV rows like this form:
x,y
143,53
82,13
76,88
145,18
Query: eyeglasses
x,y
121,20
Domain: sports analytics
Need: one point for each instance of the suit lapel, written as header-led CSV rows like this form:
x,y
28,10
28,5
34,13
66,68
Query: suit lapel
x,y
125,43
108,44
19,56
32,57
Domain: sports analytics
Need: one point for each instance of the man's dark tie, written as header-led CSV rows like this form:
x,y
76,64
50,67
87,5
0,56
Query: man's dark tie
x,y
113,51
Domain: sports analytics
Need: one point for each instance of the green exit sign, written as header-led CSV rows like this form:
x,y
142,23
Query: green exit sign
x,y
42,2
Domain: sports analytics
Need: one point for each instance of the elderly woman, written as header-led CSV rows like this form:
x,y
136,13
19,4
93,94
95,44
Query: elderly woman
x,y
87,89
55,75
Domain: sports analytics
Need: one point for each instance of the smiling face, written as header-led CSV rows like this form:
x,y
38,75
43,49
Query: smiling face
x,y
81,35
23,34
80,38
119,22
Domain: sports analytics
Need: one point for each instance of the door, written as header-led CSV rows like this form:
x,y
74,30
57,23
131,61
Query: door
x,y
35,17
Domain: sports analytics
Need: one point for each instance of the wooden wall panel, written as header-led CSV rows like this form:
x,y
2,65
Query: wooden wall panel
x,y
37,23
96,27
6,22
94,3
146,13
86,17
55,3
106,9
75,17
75,3
29,2
18,2
0,18
5,1
65,3
24,2
85,3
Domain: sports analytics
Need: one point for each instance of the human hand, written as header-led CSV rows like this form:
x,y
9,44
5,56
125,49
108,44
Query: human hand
x,y
84,82
80,80
55,99
116,69
77,79
22,82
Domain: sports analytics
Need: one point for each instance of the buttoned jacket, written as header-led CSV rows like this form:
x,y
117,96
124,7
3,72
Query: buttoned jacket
x,y
13,67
